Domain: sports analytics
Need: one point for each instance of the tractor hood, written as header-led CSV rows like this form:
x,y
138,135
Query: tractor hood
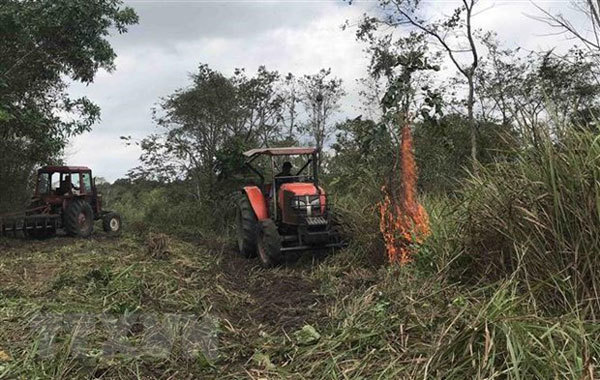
x,y
301,188
305,196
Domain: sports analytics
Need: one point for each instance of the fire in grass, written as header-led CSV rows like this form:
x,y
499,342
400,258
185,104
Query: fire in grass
x,y
403,221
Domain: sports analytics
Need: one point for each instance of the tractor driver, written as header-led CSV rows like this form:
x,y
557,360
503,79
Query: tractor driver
x,y
285,176
66,186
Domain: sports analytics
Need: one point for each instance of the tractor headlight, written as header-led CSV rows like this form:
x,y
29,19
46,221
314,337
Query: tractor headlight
x,y
315,206
298,203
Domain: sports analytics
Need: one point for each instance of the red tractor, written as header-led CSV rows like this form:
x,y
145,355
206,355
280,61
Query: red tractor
x,y
65,197
291,212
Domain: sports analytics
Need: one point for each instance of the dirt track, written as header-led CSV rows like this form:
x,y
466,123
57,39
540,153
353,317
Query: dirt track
x,y
276,298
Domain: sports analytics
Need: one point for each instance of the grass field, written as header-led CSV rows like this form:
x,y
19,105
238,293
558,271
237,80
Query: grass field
x,y
148,306
83,308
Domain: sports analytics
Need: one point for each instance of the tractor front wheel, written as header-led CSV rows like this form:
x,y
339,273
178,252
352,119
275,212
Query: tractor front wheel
x,y
269,243
111,223
246,228
79,219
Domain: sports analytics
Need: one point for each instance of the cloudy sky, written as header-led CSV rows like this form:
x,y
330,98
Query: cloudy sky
x,y
174,36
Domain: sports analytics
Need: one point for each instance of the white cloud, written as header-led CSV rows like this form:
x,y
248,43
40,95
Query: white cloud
x,y
157,57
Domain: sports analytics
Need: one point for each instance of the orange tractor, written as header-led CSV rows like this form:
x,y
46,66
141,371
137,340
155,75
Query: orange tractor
x,y
291,212
65,197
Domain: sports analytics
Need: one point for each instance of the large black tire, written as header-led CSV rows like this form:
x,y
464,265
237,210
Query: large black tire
x,y
269,244
111,223
246,228
79,219
338,232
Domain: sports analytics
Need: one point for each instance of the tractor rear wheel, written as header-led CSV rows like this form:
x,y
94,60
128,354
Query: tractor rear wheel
x,y
79,219
269,243
246,228
111,223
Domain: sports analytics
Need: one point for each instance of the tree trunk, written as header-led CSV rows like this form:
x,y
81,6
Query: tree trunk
x,y
472,125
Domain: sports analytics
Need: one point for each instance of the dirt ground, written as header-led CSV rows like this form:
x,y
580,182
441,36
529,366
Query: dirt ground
x,y
277,299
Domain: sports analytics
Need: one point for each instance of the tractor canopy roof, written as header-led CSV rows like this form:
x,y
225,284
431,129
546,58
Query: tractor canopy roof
x,y
63,169
288,151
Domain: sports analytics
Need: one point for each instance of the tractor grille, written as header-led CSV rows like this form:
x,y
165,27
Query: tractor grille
x,y
316,221
309,205
311,210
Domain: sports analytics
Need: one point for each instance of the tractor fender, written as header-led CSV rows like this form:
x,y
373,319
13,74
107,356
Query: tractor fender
x,y
257,201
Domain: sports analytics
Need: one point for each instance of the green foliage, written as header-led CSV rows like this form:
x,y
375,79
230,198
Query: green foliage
x,y
362,158
499,338
442,150
207,127
321,94
537,92
170,208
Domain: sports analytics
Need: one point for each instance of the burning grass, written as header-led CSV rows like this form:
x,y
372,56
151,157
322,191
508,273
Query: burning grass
x,y
403,220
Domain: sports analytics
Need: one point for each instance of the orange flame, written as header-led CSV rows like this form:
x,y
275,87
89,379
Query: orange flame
x,y
403,221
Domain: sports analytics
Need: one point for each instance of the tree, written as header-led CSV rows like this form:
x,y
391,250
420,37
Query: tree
x,y
454,35
537,93
260,105
291,99
442,150
321,96
568,84
45,44
403,63
370,93
362,151
206,127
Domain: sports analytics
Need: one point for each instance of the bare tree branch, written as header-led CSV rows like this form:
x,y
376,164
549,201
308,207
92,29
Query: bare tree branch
x,y
559,21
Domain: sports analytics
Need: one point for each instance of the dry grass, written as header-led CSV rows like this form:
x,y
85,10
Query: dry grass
x,y
157,245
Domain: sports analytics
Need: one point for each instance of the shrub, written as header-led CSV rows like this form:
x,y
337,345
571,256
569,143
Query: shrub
x,y
169,208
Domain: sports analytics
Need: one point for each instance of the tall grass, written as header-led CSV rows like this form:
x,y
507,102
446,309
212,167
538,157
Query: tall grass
x,y
537,219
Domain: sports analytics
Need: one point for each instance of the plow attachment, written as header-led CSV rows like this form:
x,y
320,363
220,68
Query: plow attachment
x,y
32,225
